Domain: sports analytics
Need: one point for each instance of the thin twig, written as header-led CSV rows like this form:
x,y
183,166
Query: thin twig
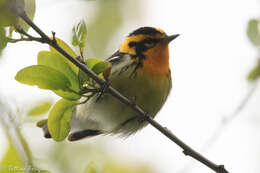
x,y
228,119
14,135
223,124
144,115
12,40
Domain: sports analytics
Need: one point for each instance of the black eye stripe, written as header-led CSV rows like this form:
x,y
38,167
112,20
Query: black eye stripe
x,y
143,43
132,44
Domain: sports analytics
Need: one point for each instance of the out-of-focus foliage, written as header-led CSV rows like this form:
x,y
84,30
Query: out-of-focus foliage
x,y
253,32
79,35
92,168
90,159
11,161
29,8
108,19
112,166
7,17
254,73
40,108
3,40
254,36
18,154
117,167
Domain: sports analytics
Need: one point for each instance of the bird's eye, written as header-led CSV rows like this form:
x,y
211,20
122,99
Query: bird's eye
x,y
132,44
150,42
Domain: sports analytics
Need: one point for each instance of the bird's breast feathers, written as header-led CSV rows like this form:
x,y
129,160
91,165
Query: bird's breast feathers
x,y
149,92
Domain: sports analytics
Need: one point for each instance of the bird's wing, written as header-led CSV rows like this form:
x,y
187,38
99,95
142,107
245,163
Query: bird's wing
x,y
120,62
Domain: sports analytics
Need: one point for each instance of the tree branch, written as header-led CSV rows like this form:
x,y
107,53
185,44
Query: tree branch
x,y
12,40
144,115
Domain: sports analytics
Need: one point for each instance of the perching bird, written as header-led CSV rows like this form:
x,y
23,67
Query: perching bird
x,y
140,70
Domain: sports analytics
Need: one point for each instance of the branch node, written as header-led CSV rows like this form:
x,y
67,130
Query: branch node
x,y
54,37
222,169
186,153
81,59
144,117
133,101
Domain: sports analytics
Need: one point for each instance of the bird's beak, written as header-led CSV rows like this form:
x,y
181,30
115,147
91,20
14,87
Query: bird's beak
x,y
168,39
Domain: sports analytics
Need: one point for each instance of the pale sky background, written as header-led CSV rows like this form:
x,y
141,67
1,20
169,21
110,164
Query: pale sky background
x,y
209,62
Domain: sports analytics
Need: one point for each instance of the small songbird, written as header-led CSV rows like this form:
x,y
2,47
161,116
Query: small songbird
x,y
140,71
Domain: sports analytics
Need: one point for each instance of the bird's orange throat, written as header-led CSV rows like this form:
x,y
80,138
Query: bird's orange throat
x,y
156,61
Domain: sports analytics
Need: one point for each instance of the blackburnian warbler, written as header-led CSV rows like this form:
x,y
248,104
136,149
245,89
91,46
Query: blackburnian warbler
x,y
140,70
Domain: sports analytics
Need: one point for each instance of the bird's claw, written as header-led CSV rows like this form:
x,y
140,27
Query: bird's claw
x,y
103,90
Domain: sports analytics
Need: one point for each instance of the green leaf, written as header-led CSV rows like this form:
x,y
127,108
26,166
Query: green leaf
x,y
64,46
253,32
3,40
83,77
67,48
40,108
90,62
44,77
108,16
101,67
59,119
59,63
67,95
79,35
254,74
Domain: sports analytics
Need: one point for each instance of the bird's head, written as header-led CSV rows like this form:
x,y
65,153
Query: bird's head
x,y
149,47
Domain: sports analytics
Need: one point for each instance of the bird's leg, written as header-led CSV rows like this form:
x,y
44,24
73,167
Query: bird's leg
x,y
142,119
103,89
133,104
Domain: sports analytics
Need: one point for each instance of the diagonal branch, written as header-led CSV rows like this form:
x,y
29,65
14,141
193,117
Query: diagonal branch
x,y
143,115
